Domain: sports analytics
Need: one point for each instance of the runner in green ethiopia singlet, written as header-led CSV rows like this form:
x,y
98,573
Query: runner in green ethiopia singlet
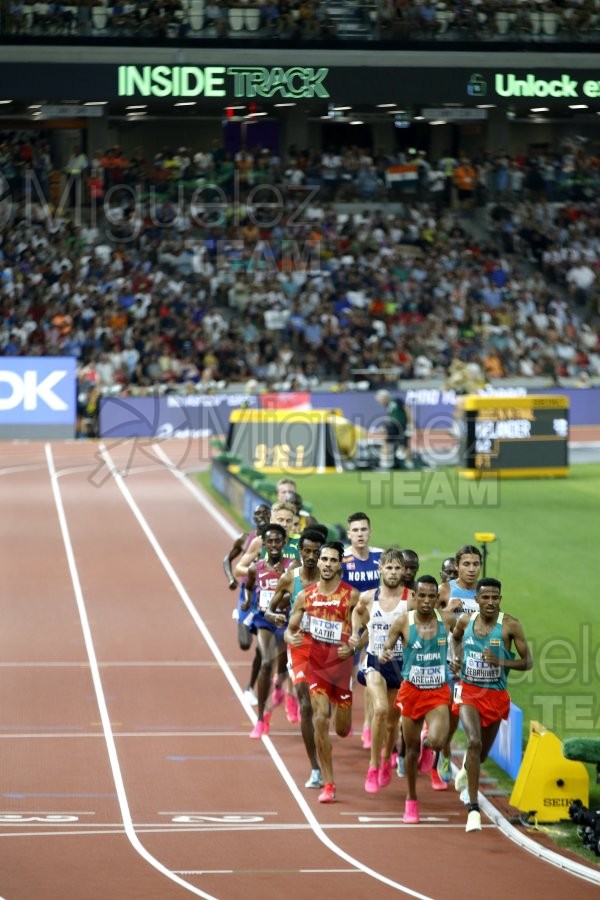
x,y
474,669
424,662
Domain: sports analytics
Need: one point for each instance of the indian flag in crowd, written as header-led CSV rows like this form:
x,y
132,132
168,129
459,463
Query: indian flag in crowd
x,y
403,175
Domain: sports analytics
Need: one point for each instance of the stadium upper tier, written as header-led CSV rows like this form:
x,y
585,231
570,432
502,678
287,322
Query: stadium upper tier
x,y
419,21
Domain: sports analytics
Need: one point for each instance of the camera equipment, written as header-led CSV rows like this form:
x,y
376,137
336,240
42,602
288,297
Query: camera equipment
x,y
588,825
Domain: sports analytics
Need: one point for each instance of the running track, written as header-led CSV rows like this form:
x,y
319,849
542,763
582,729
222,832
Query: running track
x,y
126,768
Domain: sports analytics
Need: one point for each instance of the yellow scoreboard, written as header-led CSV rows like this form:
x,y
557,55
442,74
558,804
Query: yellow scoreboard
x,y
514,437
292,441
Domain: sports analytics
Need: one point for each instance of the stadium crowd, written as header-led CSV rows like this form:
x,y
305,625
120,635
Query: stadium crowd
x,y
165,290
305,19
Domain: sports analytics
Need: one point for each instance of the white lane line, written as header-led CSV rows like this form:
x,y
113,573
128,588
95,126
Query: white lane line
x,y
508,830
100,698
187,601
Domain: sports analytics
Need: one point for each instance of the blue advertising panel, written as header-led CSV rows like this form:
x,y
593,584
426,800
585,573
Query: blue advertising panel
x,y
507,749
171,416
37,396
201,415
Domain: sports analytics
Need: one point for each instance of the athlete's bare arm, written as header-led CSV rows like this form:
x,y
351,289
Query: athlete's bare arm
x,y
237,548
360,619
251,555
398,629
292,633
443,595
280,601
249,588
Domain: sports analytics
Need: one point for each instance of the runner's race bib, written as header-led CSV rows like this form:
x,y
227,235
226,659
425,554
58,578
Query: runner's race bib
x,y
264,599
326,631
478,670
378,645
427,676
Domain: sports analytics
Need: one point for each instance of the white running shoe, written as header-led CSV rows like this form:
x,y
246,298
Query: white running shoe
x,y
315,780
251,697
473,821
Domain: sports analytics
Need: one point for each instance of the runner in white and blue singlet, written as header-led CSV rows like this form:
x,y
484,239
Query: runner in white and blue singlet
x,y
457,596
377,610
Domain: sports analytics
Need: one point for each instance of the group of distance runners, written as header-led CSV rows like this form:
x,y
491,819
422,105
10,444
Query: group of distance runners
x,y
429,654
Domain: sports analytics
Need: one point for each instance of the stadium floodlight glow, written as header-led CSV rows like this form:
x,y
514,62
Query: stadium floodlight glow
x,y
578,106
95,103
357,122
486,106
438,122
281,105
185,103
340,108
140,106
386,105
538,109
5,102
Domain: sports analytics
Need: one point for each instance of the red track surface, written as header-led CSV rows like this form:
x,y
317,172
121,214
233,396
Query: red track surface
x,y
127,772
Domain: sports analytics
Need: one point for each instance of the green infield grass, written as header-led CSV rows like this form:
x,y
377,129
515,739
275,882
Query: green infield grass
x,y
546,530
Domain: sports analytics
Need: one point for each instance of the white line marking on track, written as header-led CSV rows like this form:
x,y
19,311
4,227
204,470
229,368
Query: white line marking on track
x,y
100,698
488,808
280,765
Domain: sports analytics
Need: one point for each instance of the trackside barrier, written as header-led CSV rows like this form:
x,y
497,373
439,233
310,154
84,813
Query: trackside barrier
x,y
547,783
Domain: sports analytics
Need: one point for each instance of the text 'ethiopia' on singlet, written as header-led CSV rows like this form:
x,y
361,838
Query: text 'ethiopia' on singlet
x,y
425,658
329,613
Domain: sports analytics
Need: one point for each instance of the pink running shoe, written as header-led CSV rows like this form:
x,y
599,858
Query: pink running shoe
x,y
366,738
411,812
426,756
292,708
371,781
258,730
327,795
277,696
267,722
384,773
436,782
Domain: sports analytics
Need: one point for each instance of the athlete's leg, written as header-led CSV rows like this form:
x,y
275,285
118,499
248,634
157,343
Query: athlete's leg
x,y
321,718
488,736
255,667
438,721
411,729
266,645
377,695
471,722
391,724
306,723
343,720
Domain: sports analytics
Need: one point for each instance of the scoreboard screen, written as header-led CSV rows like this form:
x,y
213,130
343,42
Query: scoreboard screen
x,y
289,441
515,437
